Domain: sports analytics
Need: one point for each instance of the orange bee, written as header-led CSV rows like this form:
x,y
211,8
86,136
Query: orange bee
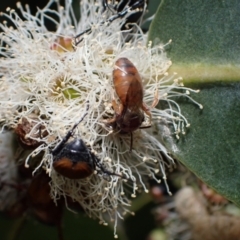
x,y
129,113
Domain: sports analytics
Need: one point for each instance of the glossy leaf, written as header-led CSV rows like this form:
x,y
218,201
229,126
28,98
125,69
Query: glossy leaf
x,y
206,51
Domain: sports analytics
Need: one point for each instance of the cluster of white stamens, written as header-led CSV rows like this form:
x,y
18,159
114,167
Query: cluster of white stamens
x,y
42,74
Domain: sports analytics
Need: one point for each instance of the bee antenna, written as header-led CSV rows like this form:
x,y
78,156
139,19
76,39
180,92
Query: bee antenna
x,y
70,132
81,119
107,172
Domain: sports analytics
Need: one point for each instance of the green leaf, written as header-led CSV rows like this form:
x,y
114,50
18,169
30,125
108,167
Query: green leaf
x,y
210,147
205,31
206,51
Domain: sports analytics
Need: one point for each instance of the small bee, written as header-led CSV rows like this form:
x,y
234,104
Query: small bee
x,y
75,160
129,114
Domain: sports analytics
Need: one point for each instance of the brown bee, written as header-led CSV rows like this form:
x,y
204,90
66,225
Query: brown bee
x,y
75,160
129,113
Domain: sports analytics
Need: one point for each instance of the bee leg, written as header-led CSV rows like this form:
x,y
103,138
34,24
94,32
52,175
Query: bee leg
x,y
110,123
131,141
146,109
118,108
155,100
